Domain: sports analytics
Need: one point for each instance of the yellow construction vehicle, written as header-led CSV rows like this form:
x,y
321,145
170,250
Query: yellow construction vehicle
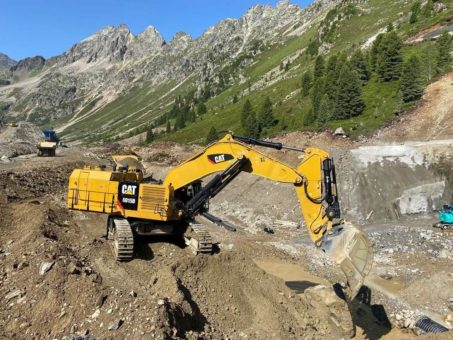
x,y
141,206
48,147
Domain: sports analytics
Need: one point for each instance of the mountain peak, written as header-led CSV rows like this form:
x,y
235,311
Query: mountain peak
x,y
6,62
151,35
107,44
147,43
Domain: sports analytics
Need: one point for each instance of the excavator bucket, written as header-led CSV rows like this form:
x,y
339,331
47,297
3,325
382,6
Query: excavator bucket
x,y
350,248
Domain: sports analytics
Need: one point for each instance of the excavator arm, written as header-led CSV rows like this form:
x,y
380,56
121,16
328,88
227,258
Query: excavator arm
x,y
315,184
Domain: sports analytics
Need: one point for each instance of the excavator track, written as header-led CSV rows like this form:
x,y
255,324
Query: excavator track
x,y
123,239
198,239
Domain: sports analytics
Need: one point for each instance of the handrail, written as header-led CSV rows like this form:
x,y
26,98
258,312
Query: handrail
x,y
88,200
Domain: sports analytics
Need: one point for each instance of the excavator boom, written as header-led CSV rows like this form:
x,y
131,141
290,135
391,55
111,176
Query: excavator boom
x,y
314,180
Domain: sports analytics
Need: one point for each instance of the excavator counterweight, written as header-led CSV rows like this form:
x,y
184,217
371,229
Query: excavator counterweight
x,y
138,206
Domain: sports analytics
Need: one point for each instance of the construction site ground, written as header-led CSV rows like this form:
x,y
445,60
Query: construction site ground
x,y
58,277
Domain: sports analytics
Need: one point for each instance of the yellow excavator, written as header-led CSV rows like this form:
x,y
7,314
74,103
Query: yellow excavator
x,y
137,205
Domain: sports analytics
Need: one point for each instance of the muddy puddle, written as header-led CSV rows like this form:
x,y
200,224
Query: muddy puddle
x,y
295,277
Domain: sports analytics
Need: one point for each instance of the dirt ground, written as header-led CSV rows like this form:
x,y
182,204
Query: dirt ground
x,y
58,279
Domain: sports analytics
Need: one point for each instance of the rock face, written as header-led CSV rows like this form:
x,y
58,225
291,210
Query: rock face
x,y
108,64
6,62
29,64
19,140
109,44
146,44
387,181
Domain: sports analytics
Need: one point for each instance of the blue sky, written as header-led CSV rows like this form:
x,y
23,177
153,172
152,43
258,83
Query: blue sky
x,y
50,27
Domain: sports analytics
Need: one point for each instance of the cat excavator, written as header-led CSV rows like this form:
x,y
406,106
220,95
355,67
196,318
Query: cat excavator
x,y
137,205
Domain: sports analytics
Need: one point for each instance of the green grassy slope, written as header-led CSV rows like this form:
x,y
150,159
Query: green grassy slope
x,y
382,100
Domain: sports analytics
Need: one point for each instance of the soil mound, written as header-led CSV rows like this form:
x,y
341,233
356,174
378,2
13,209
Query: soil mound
x,y
19,139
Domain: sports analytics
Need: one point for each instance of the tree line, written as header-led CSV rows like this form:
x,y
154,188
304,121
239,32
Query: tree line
x,y
334,85
253,124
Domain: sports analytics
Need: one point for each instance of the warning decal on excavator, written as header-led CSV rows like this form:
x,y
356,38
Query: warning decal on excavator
x,y
219,158
128,195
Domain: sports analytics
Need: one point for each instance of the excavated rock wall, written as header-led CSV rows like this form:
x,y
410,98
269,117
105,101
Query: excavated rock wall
x,y
391,181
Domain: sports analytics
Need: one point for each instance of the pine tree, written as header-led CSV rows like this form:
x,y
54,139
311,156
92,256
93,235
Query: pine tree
x,y
308,118
411,86
168,128
375,50
251,127
317,93
332,63
180,122
390,58
348,101
149,135
212,135
201,109
390,27
326,111
334,67
443,46
306,84
206,93
313,47
415,11
266,117
235,98
360,65
428,63
247,110
319,67
248,120
191,116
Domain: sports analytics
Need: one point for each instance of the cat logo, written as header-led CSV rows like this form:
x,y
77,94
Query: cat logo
x,y
128,195
128,189
219,158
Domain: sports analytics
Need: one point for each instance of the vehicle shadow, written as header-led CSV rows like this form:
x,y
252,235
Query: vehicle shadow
x,y
143,250
299,286
371,318
143,244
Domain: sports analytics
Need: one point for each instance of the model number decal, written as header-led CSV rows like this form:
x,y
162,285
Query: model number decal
x,y
219,158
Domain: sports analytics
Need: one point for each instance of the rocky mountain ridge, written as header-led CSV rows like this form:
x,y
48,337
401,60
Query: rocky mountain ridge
x,y
112,61
6,62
